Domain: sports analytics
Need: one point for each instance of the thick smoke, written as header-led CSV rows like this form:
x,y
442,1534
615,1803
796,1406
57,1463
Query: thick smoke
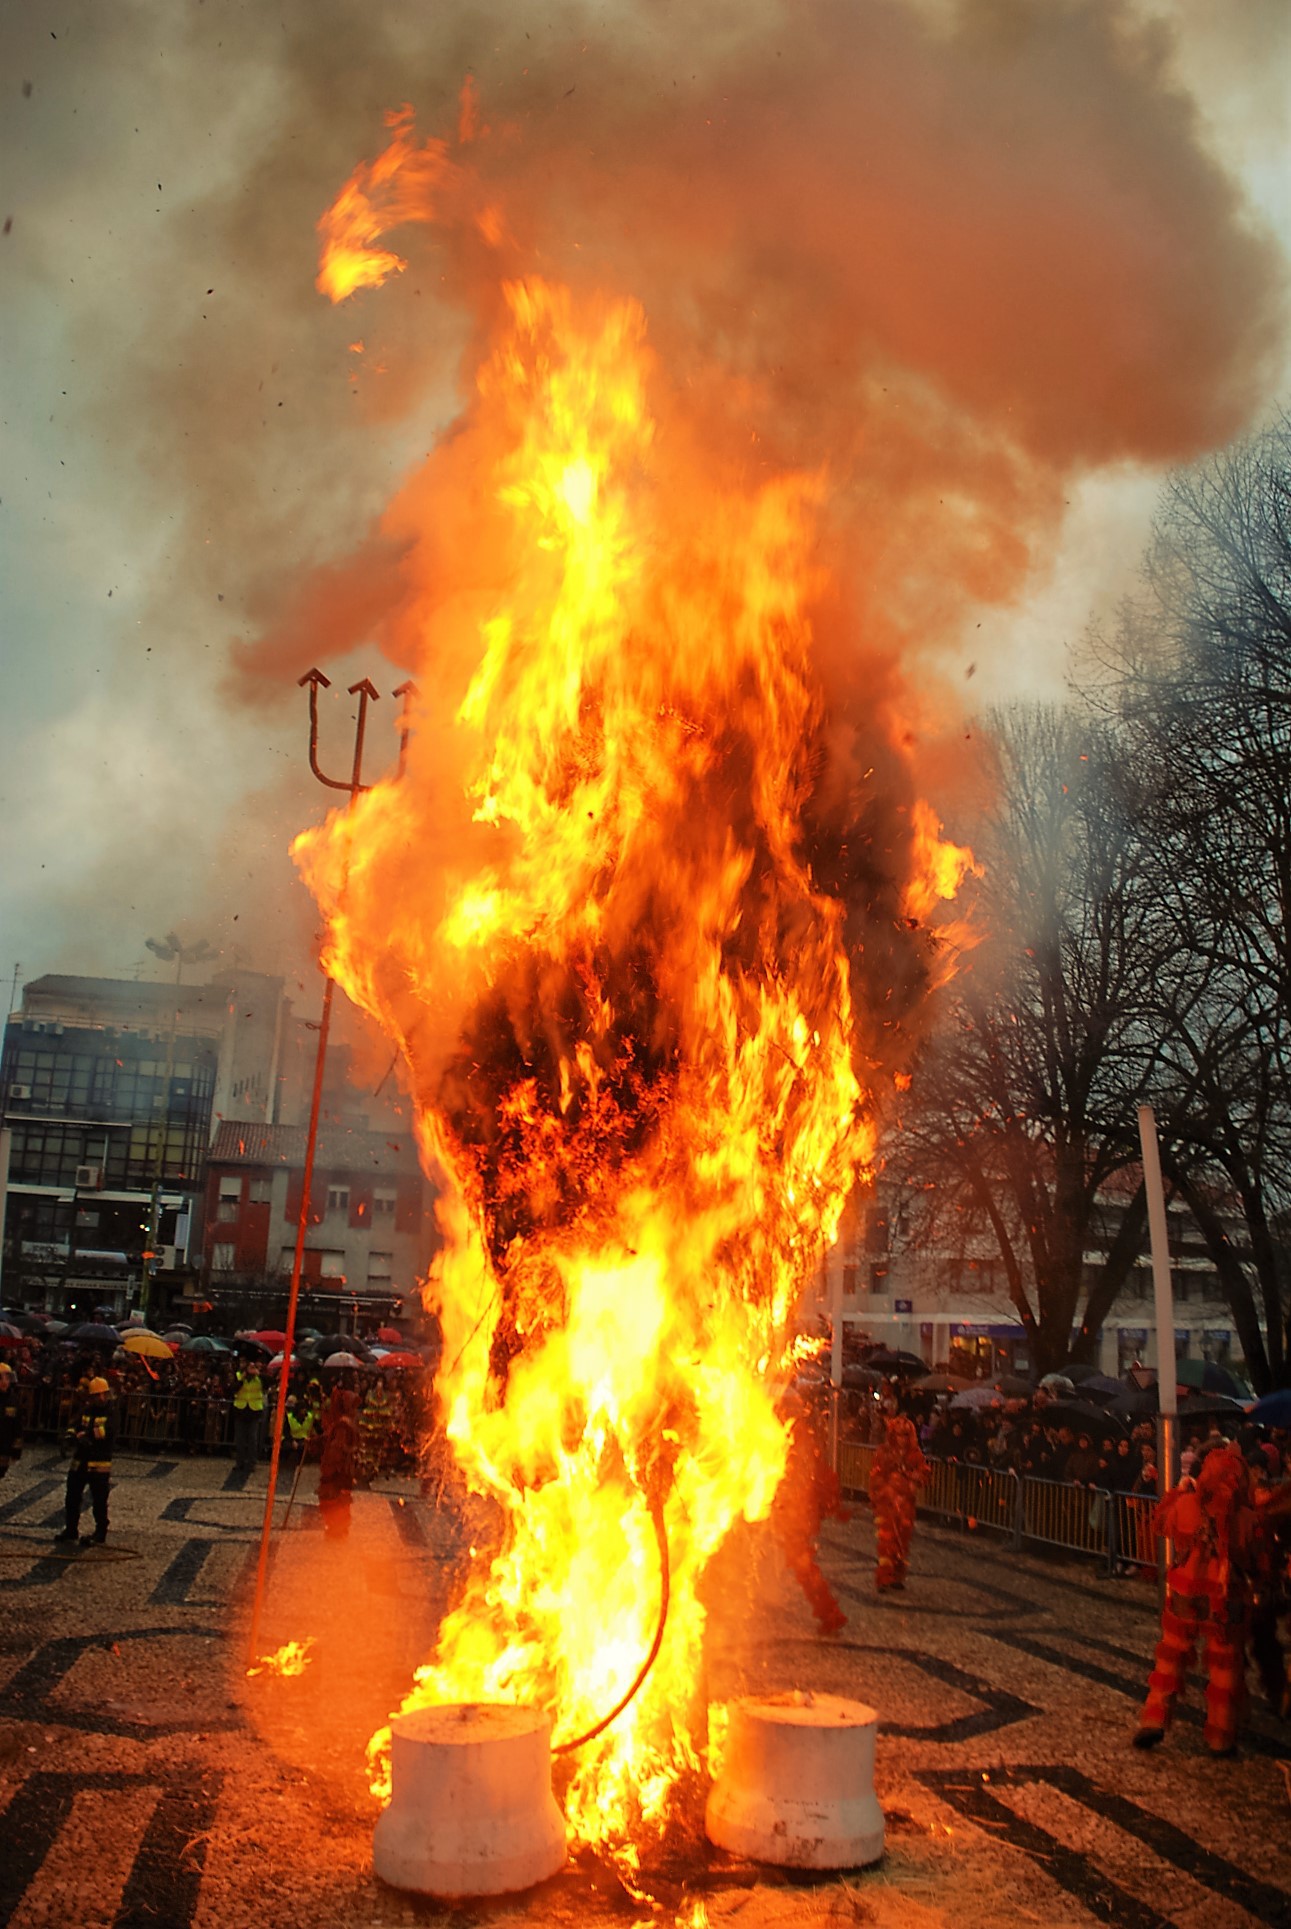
x,y
954,254
951,262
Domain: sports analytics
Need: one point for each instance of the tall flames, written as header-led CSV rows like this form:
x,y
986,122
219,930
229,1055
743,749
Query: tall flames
x,y
641,1037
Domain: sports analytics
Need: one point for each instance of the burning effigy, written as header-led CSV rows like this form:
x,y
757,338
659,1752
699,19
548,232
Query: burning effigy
x,y
608,913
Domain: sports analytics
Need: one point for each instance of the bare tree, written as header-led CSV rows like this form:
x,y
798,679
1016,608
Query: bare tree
x,y
1022,1107
1203,684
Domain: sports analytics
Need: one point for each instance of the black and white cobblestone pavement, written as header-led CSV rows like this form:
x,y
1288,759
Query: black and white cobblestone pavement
x,y
144,1780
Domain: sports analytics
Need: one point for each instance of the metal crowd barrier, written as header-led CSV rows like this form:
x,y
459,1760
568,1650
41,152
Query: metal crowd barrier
x,y
145,1421
1083,1520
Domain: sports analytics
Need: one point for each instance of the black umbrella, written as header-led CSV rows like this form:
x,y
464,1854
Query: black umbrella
x,y
1013,1386
249,1345
95,1333
1102,1388
940,1383
1210,1406
1078,1372
857,1377
1084,1417
884,1361
338,1343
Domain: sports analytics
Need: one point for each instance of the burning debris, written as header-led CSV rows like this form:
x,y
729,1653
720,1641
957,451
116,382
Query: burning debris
x,y
291,1658
621,956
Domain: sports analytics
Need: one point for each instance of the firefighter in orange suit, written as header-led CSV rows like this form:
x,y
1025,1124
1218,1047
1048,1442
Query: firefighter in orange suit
x,y
808,1495
90,1435
1210,1524
897,1472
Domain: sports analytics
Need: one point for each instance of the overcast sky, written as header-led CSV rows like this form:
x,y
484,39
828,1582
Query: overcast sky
x,y
180,427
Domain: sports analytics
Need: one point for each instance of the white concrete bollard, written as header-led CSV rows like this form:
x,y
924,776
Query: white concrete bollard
x,y
797,1784
471,1809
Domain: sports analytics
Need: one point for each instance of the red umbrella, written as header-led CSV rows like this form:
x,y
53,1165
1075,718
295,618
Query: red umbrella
x,y
273,1340
388,1336
400,1360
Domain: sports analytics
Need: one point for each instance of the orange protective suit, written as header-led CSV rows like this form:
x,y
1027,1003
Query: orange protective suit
x,y
1210,1524
897,1472
808,1495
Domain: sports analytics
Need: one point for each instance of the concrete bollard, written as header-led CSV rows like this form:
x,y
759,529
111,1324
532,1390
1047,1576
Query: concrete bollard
x,y
471,1811
797,1784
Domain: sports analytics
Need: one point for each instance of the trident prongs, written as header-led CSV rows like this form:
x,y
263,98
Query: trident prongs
x,y
313,678
367,693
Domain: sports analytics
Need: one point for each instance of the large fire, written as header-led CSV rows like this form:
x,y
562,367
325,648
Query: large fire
x,y
642,1041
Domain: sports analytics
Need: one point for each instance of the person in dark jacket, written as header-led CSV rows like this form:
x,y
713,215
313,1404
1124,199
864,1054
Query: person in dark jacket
x,y
90,1434
10,1418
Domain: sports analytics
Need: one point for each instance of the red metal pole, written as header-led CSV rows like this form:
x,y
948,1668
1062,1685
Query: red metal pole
x,y
280,1411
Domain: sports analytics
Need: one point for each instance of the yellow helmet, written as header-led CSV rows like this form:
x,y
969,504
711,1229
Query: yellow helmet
x,y
98,1385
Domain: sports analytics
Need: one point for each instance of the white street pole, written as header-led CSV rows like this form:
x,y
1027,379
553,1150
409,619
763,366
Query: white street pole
x,y
1163,1293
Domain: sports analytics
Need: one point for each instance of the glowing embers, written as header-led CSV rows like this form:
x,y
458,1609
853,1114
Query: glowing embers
x,y
471,1811
797,1784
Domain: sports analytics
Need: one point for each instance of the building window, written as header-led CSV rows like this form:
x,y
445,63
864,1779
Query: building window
x,y
261,1190
222,1256
231,1191
384,1201
338,1198
380,1265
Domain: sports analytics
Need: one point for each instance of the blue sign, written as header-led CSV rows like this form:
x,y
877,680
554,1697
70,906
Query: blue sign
x,y
903,1306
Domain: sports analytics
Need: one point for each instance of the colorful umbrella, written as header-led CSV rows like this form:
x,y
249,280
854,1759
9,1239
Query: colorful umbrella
x,y
274,1340
396,1360
150,1345
205,1343
940,1383
340,1360
390,1336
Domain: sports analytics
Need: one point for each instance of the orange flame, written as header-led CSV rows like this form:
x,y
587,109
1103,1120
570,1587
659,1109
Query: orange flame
x,y
290,1659
625,1004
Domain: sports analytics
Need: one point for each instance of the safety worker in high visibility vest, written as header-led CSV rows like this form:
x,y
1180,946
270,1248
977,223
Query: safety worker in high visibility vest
x,y
375,1422
90,1434
248,1409
300,1422
898,1470
1210,1524
10,1418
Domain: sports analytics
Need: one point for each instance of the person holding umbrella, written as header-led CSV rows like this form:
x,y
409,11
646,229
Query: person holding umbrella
x,y
91,1435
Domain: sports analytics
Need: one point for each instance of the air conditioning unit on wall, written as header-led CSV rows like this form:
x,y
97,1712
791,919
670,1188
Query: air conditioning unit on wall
x,y
20,1091
89,1178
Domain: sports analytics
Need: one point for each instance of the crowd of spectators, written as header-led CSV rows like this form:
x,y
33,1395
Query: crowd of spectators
x,y
184,1404
1036,1439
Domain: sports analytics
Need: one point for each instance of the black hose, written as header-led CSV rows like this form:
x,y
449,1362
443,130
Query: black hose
x,y
665,1584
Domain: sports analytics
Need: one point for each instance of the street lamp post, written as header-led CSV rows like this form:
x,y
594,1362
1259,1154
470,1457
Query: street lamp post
x,y
168,948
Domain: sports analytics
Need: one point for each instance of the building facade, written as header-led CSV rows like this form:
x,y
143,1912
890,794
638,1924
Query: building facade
x,y
109,1093
954,1309
370,1231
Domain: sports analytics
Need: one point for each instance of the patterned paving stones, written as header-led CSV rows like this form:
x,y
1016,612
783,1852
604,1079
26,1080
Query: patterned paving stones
x,y
145,1780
